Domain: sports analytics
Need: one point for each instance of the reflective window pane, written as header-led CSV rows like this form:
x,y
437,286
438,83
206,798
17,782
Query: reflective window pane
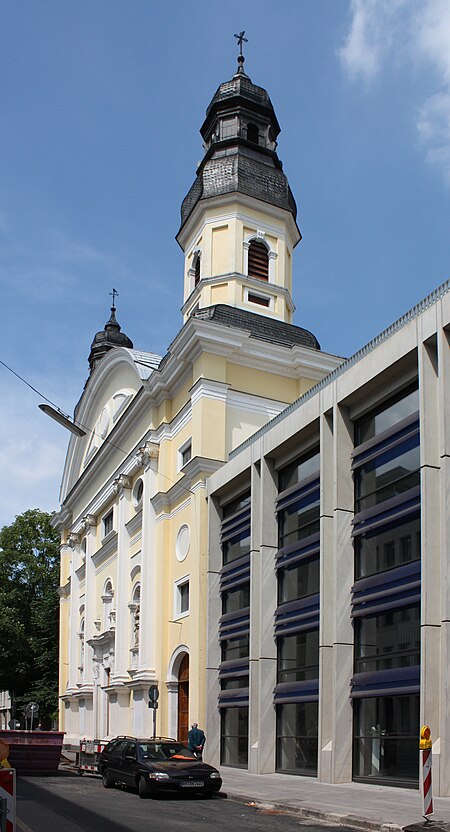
x,y
297,737
298,657
389,640
234,737
385,745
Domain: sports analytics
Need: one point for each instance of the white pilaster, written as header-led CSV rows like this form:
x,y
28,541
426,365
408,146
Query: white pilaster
x,y
74,542
121,664
146,662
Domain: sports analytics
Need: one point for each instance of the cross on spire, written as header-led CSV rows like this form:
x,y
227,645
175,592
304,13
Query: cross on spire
x,y
241,40
114,294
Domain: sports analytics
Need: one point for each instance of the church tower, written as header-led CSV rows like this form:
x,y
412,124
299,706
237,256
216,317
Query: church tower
x,y
238,221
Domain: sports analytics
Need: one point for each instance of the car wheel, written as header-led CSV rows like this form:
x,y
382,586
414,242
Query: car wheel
x,y
143,788
106,779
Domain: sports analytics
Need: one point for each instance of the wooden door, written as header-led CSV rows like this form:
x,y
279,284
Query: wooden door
x,y
183,700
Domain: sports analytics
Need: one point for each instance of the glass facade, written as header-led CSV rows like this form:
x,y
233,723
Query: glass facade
x,y
297,615
385,739
234,631
234,737
297,737
386,594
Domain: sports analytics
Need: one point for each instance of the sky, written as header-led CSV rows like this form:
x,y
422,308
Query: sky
x,y
101,104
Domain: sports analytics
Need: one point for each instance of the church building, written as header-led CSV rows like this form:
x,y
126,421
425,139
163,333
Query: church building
x,y
134,515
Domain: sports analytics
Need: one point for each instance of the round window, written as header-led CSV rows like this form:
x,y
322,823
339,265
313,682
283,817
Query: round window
x,y
138,492
183,542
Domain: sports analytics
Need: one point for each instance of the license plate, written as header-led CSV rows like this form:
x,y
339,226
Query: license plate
x,y
89,748
193,784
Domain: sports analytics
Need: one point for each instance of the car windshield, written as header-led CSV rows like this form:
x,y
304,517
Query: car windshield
x,y
164,751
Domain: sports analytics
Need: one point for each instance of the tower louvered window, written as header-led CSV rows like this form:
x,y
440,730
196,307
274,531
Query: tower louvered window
x,y
258,261
197,270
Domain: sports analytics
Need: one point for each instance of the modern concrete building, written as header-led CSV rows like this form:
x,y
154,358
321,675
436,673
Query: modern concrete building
x,y
133,516
328,571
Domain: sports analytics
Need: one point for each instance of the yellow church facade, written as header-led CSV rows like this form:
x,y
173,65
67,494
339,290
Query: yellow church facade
x,y
134,513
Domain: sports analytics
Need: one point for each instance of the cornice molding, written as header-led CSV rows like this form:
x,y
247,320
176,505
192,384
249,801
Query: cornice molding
x,y
209,389
197,221
266,287
195,468
101,554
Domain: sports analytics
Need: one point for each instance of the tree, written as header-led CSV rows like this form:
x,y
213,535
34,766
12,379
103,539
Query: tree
x,y
29,611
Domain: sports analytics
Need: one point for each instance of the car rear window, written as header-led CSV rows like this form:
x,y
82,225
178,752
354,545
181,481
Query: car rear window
x,y
163,751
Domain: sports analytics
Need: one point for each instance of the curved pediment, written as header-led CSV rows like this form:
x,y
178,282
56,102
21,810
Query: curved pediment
x,y
109,391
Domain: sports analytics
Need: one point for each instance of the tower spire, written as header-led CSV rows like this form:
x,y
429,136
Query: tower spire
x,y
109,337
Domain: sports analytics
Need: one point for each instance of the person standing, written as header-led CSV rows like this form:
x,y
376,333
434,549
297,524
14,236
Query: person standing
x,y
196,740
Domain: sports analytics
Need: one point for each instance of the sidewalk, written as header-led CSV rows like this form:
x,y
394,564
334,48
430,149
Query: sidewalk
x,y
352,804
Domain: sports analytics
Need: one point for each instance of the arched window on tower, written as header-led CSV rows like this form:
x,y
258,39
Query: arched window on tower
x,y
258,260
197,269
252,133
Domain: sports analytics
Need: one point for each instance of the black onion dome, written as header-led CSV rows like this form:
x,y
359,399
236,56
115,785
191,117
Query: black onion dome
x,y
240,139
107,339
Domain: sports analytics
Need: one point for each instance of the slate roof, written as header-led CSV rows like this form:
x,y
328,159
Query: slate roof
x,y
260,326
241,86
241,170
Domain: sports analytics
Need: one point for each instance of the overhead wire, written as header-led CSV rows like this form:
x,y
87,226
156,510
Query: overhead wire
x,y
85,427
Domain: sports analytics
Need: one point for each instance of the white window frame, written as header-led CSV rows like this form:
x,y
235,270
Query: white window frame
x,y
184,447
106,534
262,295
177,597
260,237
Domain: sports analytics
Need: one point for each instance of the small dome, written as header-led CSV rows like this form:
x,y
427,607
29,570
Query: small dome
x,y
107,339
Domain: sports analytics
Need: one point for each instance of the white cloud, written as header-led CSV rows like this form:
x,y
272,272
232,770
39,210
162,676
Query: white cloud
x,y
418,34
372,31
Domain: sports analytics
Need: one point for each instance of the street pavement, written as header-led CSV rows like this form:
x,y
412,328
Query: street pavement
x,y
366,807
351,804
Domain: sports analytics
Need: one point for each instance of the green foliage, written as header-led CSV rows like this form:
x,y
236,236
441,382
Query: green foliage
x,y
29,611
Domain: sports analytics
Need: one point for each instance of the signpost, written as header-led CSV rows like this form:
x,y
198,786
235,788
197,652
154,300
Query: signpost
x,y
153,695
31,711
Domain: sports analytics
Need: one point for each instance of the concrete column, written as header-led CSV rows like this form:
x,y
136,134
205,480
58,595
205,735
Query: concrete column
x,y
430,541
337,576
122,656
263,602
442,747
214,612
327,599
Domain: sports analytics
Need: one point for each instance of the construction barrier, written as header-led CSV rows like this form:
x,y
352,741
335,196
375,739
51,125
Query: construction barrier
x,y
426,779
88,755
8,799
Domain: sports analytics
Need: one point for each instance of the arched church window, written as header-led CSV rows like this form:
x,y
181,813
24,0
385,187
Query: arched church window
x,y
197,270
258,260
252,133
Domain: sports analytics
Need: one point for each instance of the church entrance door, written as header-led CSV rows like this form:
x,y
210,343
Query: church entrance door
x,y
183,700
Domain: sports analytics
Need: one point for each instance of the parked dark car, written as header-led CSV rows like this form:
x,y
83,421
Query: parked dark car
x,y
156,765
